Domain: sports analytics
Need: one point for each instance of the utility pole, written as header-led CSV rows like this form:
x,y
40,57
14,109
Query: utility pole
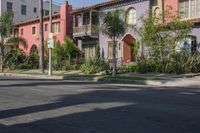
x,y
41,66
50,49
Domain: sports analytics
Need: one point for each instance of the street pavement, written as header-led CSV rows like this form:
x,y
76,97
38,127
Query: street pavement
x,y
59,106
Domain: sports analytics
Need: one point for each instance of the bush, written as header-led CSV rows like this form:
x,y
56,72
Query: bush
x,y
128,68
71,67
14,58
185,63
92,66
179,63
32,61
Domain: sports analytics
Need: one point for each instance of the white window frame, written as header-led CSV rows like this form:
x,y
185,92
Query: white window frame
x,y
189,10
134,15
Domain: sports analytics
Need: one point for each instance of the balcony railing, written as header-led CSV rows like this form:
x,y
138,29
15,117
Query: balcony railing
x,y
85,30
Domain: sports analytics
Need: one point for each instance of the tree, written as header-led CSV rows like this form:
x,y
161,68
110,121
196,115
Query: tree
x,y
114,27
6,27
41,66
162,37
70,48
63,53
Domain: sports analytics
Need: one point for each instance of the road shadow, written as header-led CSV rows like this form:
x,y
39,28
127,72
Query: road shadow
x,y
120,109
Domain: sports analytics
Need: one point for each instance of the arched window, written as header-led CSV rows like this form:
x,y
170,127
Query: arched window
x,y
157,12
189,44
33,49
131,17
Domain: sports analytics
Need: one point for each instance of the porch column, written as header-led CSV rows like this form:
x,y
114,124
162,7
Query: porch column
x,y
91,17
74,20
81,24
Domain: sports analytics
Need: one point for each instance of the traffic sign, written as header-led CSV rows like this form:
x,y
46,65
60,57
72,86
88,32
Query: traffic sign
x,y
50,35
50,43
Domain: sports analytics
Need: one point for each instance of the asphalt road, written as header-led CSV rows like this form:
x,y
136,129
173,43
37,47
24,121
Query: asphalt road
x,y
50,106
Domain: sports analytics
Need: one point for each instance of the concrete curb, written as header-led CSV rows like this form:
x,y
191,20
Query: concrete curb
x,y
162,83
32,76
180,82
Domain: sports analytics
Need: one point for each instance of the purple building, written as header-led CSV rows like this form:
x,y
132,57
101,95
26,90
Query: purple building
x,y
88,19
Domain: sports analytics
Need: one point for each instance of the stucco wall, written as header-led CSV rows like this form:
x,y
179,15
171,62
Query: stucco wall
x,y
34,39
141,7
30,5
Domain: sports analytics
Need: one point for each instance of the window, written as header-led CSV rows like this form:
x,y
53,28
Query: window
x,y
189,8
86,18
131,16
46,27
193,44
56,27
33,30
189,44
89,50
23,9
155,2
46,12
157,12
35,10
9,6
22,32
34,49
110,50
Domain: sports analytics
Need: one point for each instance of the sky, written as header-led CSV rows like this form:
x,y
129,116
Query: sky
x,y
80,3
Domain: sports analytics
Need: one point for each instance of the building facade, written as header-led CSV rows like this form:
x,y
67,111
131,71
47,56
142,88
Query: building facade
x,y
25,9
61,28
87,19
188,10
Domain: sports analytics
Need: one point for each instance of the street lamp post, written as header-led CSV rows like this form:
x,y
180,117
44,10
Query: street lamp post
x,y
50,49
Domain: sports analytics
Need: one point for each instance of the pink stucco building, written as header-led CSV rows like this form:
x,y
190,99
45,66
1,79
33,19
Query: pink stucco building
x,y
61,27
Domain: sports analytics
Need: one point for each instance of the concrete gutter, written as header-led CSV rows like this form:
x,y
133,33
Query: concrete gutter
x,y
173,82
35,76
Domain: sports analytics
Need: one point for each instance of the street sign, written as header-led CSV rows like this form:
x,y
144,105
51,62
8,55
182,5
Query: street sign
x,y
50,35
50,43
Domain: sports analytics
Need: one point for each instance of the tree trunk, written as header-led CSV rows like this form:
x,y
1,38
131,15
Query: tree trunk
x,y
2,53
162,61
41,38
114,71
2,57
69,59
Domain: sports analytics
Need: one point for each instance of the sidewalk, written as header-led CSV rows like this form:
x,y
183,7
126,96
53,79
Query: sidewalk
x,y
153,79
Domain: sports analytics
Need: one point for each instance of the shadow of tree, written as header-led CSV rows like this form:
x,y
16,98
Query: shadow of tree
x,y
108,109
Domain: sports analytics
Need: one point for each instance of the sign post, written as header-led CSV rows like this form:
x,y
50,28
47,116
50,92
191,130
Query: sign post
x,y
50,42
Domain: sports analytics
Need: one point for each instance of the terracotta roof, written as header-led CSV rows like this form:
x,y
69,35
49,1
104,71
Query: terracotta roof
x,y
107,3
36,20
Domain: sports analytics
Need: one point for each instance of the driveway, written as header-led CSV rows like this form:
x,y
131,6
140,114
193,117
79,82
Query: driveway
x,y
59,106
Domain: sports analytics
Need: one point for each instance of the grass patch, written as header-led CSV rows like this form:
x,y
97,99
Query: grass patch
x,y
78,76
130,78
109,77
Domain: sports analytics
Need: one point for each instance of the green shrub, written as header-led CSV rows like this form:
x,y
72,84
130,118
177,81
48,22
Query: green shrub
x,y
32,61
128,68
179,63
92,66
14,58
24,66
71,67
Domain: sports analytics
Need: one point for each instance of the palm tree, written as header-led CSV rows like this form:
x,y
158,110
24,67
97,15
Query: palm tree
x,y
114,27
70,48
6,27
65,52
41,38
